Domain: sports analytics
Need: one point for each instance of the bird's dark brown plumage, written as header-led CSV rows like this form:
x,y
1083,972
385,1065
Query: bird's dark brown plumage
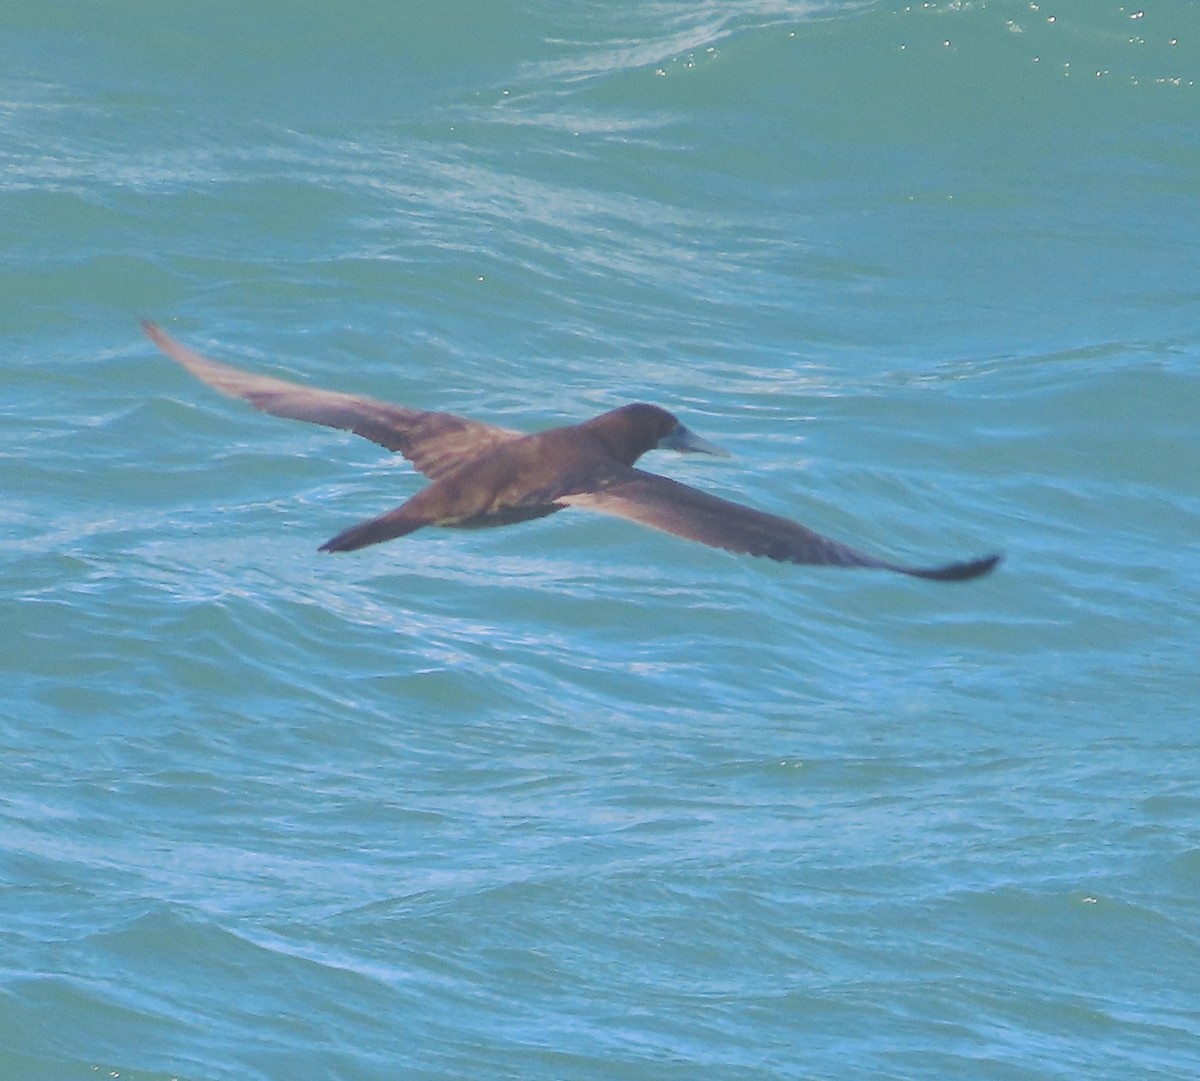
x,y
484,475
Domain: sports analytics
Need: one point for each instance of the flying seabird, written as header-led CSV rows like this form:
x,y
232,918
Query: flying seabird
x,y
484,475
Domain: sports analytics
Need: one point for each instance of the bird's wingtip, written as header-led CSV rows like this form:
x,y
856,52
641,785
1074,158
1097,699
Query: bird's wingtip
x,y
963,572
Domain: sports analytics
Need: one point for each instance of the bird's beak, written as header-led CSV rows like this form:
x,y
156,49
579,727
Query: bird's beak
x,y
686,441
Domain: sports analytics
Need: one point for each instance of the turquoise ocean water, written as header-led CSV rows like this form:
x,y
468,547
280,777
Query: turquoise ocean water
x,y
575,800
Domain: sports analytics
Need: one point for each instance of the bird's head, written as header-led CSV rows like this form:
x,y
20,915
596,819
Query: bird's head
x,y
632,430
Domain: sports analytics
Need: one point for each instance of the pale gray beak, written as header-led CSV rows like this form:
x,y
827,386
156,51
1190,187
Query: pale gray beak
x,y
686,441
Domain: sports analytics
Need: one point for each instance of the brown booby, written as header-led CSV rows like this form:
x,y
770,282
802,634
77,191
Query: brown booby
x,y
484,475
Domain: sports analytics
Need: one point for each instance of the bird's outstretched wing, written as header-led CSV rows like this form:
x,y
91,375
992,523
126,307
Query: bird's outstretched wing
x,y
434,442
666,504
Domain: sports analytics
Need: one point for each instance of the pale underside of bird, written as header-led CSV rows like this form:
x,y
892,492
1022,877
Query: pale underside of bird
x,y
483,475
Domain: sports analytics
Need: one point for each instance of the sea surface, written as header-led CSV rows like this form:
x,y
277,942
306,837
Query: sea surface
x,y
577,800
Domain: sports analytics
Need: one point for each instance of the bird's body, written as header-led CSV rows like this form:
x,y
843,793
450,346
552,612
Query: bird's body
x,y
484,476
